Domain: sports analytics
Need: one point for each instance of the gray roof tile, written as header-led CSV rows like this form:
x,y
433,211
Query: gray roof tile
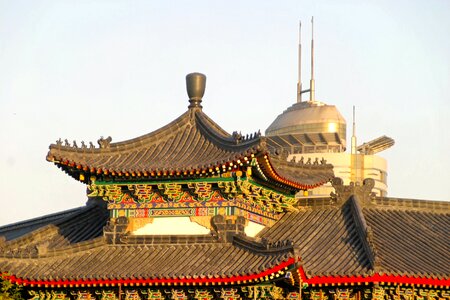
x,y
405,237
191,142
330,239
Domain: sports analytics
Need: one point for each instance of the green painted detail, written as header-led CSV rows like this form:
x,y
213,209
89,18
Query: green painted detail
x,y
246,194
156,182
208,180
270,189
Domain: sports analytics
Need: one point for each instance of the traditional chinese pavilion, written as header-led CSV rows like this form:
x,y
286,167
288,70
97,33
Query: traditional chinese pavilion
x,y
243,233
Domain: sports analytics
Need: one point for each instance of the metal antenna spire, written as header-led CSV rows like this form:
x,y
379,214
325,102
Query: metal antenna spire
x,y
354,129
353,151
299,83
311,82
356,166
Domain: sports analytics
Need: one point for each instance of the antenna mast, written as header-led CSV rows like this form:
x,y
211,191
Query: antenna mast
x,y
354,130
299,83
357,162
311,82
354,133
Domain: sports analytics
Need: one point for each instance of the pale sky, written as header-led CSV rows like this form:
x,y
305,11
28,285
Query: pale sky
x,y
84,69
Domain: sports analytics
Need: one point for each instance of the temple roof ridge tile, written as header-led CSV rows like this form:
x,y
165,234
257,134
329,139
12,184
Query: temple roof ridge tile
x,y
263,246
6,229
364,231
210,130
434,206
189,134
57,234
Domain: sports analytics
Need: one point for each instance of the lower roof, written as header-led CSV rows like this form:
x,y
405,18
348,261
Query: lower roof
x,y
395,240
150,262
324,240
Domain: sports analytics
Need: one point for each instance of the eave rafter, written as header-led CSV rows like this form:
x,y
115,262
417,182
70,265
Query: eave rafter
x,y
258,161
239,164
268,168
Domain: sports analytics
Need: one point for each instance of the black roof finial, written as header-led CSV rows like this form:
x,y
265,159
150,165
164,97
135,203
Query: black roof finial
x,y
195,85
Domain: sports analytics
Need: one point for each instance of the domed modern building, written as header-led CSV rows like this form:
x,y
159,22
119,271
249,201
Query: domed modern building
x,y
320,124
310,129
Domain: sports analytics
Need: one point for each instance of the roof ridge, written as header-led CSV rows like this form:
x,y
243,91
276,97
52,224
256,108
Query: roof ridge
x,y
263,246
234,142
364,232
76,248
179,122
133,143
160,239
412,204
16,244
82,210
34,221
47,237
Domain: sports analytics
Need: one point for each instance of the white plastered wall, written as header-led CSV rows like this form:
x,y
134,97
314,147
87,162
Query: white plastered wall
x,y
172,226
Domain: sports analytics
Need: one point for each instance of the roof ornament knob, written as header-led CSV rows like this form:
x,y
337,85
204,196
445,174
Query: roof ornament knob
x,y
195,85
